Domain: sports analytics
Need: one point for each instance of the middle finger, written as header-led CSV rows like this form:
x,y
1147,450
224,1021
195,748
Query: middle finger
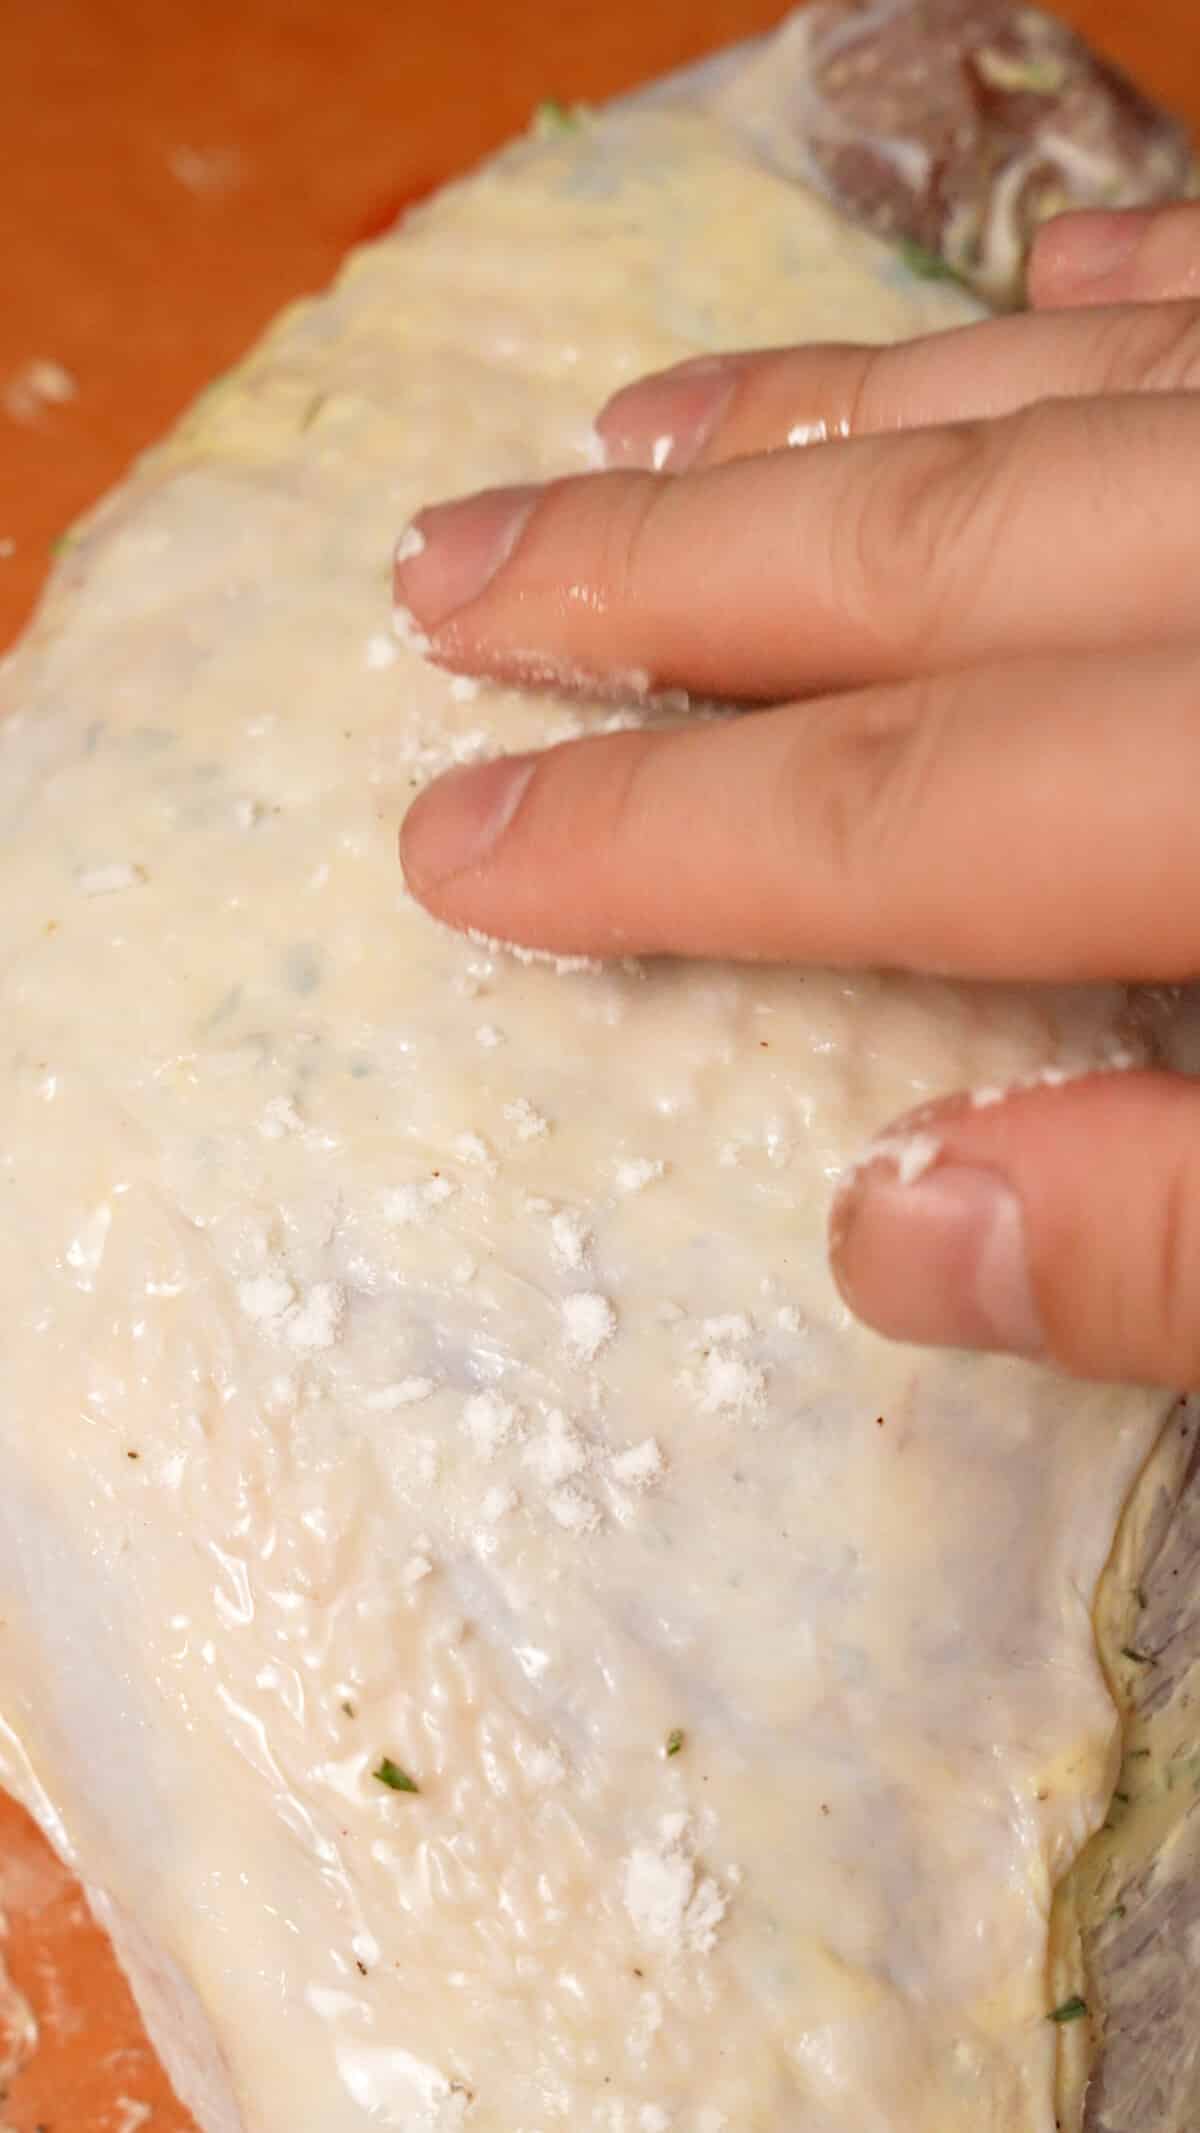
x,y
1070,526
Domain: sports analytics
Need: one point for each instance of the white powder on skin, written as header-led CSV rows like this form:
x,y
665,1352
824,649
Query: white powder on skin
x,y
726,1384
472,1148
589,1323
265,1297
571,1238
529,1123
639,1171
109,880
380,653
574,1511
407,1206
558,1453
316,1321
669,1905
489,1422
407,1392
638,1467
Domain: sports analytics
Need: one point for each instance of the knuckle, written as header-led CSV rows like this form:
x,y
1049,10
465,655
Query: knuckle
x,y
864,397
857,793
624,577
1155,349
910,538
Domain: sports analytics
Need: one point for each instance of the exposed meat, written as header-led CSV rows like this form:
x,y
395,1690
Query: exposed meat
x,y
961,125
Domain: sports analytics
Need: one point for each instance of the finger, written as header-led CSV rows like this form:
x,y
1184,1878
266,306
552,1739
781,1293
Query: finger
x,y
1071,524
1034,820
1117,256
725,407
1063,1223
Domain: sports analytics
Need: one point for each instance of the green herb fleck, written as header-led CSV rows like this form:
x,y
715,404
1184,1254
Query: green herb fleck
x,y
396,1779
1118,1911
1031,74
927,265
1072,2010
349,1709
674,1741
1123,1797
1129,1651
553,117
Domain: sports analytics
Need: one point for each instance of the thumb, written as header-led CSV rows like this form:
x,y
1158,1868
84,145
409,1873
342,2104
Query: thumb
x,y
1059,1222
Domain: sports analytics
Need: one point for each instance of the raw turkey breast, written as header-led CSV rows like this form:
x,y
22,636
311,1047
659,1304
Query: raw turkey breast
x,y
501,1647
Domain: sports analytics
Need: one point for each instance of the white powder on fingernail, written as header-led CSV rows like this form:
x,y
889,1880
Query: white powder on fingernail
x,y
910,1154
411,543
407,629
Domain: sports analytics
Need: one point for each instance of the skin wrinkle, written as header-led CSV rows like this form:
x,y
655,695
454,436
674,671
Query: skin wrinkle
x,y
864,782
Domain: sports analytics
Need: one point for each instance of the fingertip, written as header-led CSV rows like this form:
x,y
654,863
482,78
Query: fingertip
x,y
1130,255
1077,258
662,424
450,553
940,1259
1060,1219
457,824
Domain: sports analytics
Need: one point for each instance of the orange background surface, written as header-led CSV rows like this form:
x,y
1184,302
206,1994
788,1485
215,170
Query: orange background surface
x,y
173,174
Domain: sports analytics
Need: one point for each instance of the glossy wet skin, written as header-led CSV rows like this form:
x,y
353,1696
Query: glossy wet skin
x,y
975,581
472,1318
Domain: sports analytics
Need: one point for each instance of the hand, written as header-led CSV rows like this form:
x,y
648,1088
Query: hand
x,y
981,616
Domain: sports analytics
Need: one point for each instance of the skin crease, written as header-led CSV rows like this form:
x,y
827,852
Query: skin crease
x,y
954,779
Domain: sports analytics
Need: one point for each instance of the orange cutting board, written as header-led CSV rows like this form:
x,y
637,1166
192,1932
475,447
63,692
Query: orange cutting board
x,y
172,176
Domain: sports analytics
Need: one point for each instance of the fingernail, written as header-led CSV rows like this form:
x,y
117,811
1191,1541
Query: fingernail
x,y
664,422
1094,246
459,820
451,552
942,1260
